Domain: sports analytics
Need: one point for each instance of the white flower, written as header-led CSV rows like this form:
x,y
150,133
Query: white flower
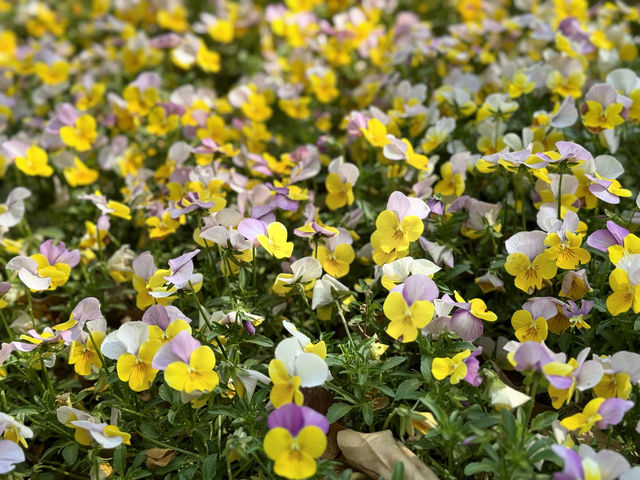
x,y
27,269
311,369
12,211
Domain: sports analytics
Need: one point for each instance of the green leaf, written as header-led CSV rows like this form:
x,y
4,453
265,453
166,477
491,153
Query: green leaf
x,y
398,471
509,423
543,420
259,340
425,367
209,466
479,467
120,458
367,414
408,389
70,453
393,362
337,411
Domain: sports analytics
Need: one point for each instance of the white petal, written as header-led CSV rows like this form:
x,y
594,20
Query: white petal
x,y
311,369
287,351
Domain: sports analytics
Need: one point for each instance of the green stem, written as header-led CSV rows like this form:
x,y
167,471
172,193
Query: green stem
x,y
344,322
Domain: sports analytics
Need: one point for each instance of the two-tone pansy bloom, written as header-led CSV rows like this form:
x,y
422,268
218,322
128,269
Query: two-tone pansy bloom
x,y
297,436
14,434
528,262
292,368
409,307
586,464
134,351
188,366
48,269
462,366
88,429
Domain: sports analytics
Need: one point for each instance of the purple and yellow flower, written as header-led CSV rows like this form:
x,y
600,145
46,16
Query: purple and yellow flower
x,y
296,437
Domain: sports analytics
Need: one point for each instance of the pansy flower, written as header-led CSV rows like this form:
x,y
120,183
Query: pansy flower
x,y
467,319
527,261
296,437
586,464
601,412
409,307
188,366
293,368
462,366
337,254
12,210
14,435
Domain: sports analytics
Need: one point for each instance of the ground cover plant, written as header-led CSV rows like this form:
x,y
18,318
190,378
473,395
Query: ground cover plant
x,y
331,239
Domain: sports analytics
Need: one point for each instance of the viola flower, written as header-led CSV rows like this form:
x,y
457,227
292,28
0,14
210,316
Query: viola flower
x,y
401,223
604,108
165,322
274,241
409,307
188,366
339,183
134,352
462,366
528,262
293,368
86,312
324,290
526,329
564,247
304,271
375,132
576,315
12,211
467,319
607,190
30,160
147,280
565,378
623,281
296,437
620,371
586,464
108,207
83,353
575,285
14,435
108,436
82,135
398,271
601,412
191,202
319,349
337,255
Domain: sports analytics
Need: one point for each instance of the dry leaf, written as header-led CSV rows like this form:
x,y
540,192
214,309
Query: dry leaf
x,y
377,453
159,457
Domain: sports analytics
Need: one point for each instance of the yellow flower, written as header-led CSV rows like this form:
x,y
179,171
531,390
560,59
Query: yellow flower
x,y
58,273
275,242
80,175
286,389
451,184
585,420
208,60
324,87
35,163
83,355
596,119
161,227
294,458
155,284
396,234
530,275
53,74
256,108
567,253
156,334
375,133
614,385
520,85
527,329
197,376
338,194
572,85
160,123
405,320
624,294
82,135
137,370
336,263
442,367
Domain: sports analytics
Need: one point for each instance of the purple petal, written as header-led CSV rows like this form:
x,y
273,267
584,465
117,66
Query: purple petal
x,y
251,228
560,382
473,365
601,240
311,417
143,265
419,287
183,344
157,315
530,356
612,411
181,268
467,326
603,194
572,463
618,232
288,416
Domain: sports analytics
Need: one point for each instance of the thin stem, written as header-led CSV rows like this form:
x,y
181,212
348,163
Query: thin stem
x,y
560,198
344,322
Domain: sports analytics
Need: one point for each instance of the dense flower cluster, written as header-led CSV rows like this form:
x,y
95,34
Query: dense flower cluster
x,y
231,230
